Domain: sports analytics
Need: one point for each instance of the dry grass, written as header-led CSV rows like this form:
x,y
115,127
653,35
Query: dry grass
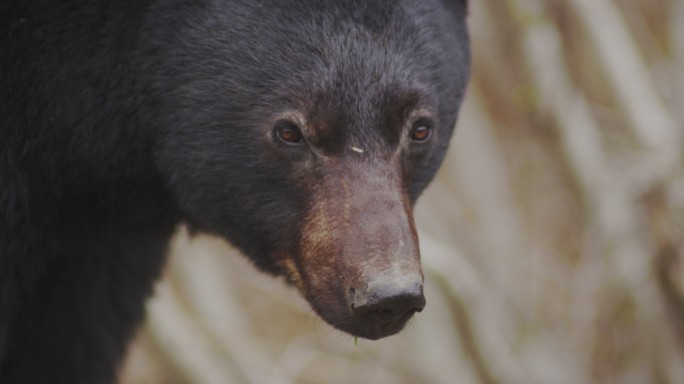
x,y
552,239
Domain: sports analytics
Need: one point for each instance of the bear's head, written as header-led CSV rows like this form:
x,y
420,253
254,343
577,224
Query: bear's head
x,y
303,132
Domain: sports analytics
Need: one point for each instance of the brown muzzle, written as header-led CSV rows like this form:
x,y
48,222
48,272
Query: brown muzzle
x,y
359,265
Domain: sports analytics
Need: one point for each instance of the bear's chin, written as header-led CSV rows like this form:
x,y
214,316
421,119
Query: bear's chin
x,y
373,326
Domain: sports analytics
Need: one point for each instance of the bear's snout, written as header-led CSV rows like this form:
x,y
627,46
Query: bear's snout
x,y
359,265
384,306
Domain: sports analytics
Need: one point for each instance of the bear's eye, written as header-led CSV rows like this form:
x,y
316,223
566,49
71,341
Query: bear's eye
x,y
421,131
288,132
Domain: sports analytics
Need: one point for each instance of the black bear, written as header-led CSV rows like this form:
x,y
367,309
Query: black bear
x,y
302,131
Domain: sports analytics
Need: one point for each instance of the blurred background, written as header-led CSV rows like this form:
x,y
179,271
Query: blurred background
x,y
552,238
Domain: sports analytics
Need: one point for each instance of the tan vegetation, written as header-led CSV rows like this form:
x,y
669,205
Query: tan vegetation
x,y
552,239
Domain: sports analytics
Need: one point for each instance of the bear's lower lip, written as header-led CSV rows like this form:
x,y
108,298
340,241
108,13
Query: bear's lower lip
x,y
378,326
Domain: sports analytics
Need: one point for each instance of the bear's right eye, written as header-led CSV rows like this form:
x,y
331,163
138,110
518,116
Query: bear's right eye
x,y
422,131
289,133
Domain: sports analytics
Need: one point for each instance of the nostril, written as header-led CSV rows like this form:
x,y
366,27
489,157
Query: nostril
x,y
388,302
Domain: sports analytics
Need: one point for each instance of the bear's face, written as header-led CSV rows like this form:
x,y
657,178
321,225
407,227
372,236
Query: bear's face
x,y
304,135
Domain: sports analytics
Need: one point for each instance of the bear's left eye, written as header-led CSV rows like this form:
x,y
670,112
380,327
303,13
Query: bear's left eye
x,y
289,133
421,131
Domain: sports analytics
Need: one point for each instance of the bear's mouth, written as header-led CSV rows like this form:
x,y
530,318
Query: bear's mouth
x,y
384,314
374,324
288,269
379,325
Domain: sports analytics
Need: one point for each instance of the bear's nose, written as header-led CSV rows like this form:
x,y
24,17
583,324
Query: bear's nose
x,y
384,307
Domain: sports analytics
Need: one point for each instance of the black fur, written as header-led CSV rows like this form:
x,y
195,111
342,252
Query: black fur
x,y
119,119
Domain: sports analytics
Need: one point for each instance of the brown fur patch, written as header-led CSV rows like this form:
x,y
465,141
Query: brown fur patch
x,y
358,232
